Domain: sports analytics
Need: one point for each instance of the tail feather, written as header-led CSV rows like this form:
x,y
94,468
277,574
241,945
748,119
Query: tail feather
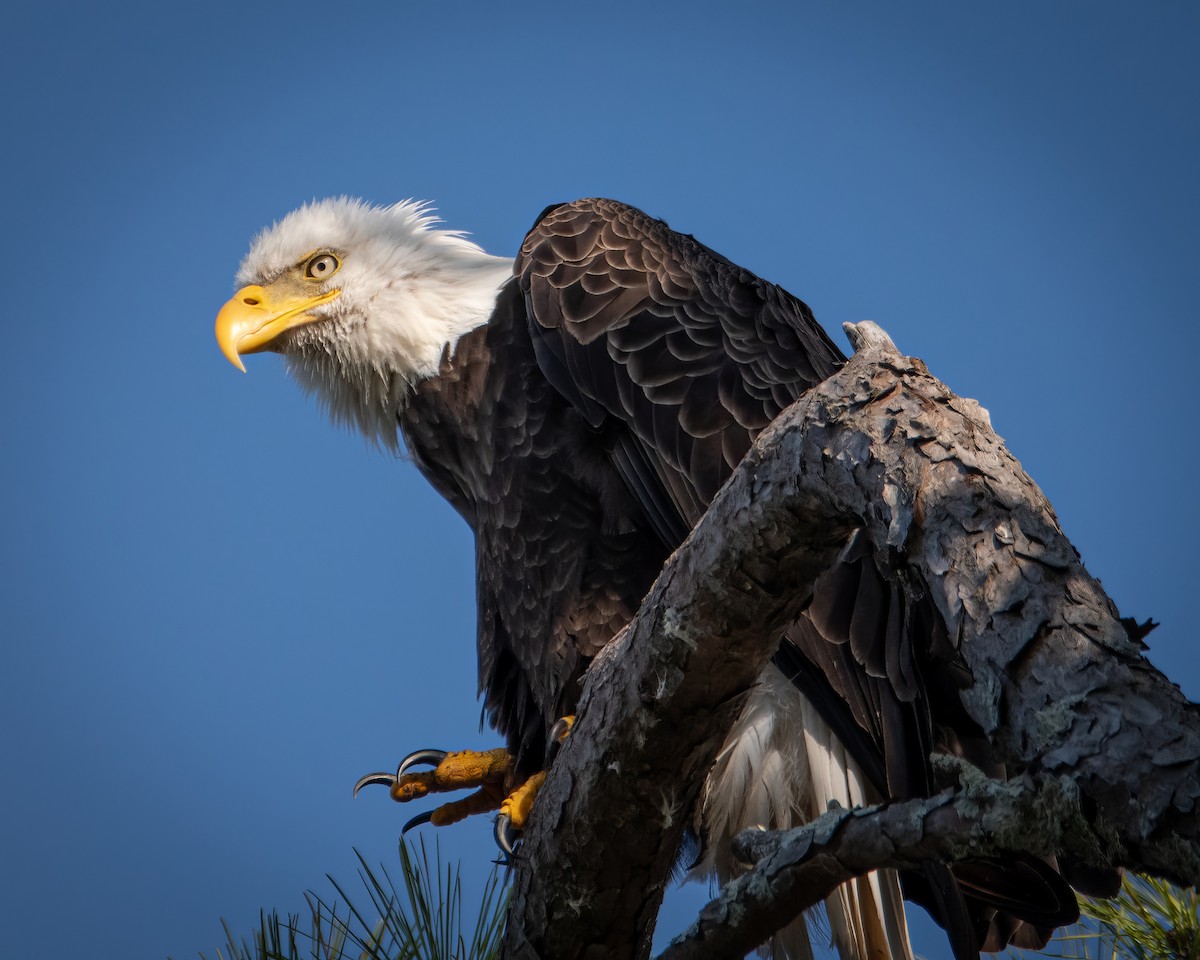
x,y
866,915
781,766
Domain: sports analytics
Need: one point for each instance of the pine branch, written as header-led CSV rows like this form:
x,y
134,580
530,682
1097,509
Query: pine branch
x,y
1059,685
797,869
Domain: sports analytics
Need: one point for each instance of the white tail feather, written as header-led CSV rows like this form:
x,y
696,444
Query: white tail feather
x,y
780,766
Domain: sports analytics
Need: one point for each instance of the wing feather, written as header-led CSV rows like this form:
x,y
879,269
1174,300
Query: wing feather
x,y
702,354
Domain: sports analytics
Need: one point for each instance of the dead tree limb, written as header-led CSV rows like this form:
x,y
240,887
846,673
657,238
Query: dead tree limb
x,y
796,869
1059,686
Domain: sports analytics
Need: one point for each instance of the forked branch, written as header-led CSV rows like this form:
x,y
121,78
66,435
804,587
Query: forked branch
x,y
1059,684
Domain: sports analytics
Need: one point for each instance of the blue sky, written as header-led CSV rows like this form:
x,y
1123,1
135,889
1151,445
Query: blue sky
x,y
219,610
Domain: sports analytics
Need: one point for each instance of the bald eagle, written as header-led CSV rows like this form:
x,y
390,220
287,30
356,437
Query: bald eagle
x,y
579,407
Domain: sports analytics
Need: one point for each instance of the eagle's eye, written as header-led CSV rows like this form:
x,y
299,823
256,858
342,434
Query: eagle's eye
x,y
320,267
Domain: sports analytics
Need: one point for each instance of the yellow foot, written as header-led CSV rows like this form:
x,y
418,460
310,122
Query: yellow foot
x,y
489,770
515,810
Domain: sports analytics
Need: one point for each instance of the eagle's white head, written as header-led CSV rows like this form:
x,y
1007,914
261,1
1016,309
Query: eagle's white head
x,y
362,301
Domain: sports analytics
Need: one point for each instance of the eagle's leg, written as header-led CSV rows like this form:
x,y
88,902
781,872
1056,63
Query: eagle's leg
x,y
482,801
489,770
514,811
492,771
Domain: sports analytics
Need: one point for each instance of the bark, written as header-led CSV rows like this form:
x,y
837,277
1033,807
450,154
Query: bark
x,y
1059,686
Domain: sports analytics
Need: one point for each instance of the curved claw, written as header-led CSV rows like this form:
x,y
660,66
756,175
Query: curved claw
x,y
557,737
431,757
562,726
416,821
384,779
506,837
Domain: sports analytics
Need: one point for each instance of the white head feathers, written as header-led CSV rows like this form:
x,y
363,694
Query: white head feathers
x,y
407,291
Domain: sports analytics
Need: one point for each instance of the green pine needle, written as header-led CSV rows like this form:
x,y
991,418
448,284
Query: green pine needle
x,y
1149,920
421,919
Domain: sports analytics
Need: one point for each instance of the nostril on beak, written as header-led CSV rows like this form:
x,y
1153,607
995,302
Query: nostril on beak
x,y
250,301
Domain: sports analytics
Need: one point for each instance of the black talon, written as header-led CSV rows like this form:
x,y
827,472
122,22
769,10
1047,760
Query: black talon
x,y
416,821
556,737
504,834
561,728
431,757
384,779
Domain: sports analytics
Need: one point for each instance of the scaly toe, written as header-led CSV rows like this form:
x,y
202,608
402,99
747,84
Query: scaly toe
x,y
514,812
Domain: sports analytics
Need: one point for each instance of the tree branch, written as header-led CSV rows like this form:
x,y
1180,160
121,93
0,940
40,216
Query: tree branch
x,y
1059,686
797,869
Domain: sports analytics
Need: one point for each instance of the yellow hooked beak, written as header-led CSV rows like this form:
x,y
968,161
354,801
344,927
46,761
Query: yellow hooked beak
x,y
255,317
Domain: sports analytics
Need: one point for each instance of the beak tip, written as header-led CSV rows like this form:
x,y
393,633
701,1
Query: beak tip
x,y
230,351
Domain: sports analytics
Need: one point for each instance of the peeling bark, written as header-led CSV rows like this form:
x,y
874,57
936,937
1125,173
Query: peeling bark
x,y
1059,685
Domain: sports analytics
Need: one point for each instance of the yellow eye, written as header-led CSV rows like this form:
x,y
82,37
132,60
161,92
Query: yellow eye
x,y
320,267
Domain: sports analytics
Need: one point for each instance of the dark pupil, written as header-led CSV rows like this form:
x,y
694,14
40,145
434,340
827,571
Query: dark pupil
x,y
319,266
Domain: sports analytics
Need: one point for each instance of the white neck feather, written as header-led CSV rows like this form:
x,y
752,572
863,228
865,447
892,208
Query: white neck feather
x,y
408,291
395,340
